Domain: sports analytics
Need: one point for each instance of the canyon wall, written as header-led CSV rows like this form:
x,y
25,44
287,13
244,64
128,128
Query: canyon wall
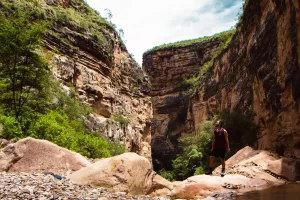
x,y
90,60
258,71
167,69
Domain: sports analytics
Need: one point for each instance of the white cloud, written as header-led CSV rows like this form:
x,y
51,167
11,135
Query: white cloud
x,y
150,23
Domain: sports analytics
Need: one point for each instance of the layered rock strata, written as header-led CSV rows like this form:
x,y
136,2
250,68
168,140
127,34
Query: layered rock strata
x,y
167,69
104,76
260,71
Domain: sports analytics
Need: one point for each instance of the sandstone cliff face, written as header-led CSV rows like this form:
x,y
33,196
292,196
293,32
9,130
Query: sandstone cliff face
x,y
167,69
260,71
105,77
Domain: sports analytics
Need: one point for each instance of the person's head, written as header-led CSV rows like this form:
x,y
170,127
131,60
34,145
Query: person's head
x,y
219,124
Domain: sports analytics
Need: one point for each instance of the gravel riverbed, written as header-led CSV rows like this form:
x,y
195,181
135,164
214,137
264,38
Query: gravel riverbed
x,y
42,186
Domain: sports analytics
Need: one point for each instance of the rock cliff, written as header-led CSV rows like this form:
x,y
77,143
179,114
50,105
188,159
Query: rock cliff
x,y
88,57
167,68
258,71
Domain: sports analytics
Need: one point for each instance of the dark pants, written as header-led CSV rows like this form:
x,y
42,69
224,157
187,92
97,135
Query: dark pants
x,y
219,153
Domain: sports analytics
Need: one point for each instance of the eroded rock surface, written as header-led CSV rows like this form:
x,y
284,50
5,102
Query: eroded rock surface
x,y
167,69
32,155
127,172
247,170
259,71
102,74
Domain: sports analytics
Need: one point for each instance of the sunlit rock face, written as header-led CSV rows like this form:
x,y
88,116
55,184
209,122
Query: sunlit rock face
x,y
259,71
106,77
167,69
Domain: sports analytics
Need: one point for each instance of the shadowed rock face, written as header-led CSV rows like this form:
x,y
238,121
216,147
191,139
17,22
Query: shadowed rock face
x,y
104,76
167,69
259,71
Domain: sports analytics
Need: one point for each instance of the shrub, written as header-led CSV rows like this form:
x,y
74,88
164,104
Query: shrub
x,y
166,174
195,81
195,152
120,118
55,126
241,129
11,127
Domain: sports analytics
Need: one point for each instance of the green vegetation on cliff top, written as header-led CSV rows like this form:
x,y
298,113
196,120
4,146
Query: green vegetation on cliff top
x,y
195,81
73,14
185,43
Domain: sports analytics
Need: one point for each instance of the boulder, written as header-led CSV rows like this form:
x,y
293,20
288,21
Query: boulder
x,y
33,155
261,164
160,186
127,172
247,170
202,186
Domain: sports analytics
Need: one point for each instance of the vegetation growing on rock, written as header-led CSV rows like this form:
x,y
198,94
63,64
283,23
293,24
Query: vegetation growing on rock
x,y
194,82
185,43
32,102
196,147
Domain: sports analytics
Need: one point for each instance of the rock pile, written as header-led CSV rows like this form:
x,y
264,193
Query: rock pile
x,y
45,187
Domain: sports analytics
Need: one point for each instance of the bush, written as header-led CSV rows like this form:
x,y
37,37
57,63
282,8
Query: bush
x,y
11,128
242,131
121,119
55,126
166,174
195,153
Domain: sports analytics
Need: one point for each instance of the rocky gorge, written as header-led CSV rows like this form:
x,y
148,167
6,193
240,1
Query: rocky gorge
x,y
90,61
39,169
258,70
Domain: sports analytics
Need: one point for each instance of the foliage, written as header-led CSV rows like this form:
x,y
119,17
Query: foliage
x,y
194,82
66,101
190,42
241,129
55,126
11,128
166,174
33,103
120,118
77,15
195,152
22,70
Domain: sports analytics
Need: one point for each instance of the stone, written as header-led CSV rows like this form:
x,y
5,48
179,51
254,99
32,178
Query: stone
x,y
32,155
262,165
160,186
127,172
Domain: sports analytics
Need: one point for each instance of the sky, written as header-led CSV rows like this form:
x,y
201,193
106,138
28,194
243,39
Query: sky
x,y
149,23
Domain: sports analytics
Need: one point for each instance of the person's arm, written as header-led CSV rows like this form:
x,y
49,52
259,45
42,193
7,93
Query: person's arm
x,y
213,142
227,141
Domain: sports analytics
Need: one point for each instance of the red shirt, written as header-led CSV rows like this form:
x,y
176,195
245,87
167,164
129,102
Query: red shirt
x,y
220,141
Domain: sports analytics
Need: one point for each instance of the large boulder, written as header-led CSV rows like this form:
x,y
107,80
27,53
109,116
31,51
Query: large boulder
x,y
32,155
127,172
261,164
247,170
202,186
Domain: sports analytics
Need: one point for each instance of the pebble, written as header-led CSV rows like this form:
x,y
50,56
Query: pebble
x,y
41,186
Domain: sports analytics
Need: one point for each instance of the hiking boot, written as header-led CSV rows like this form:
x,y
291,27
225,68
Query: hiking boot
x,y
223,172
208,172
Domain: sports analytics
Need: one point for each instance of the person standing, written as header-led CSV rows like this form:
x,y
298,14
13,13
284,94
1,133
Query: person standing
x,y
220,146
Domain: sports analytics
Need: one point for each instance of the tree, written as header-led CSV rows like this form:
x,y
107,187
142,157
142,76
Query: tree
x,y
22,70
108,14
